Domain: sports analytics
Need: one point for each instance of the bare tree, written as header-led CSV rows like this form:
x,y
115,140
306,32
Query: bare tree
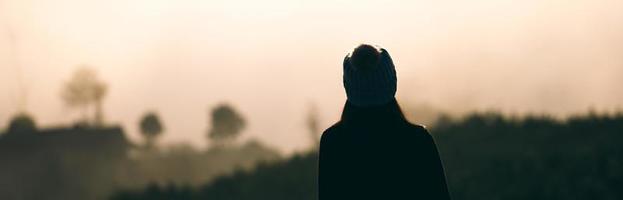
x,y
313,124
84,90
151,128
226,125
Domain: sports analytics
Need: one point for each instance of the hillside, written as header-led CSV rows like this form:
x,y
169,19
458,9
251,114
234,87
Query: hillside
x,y
486,156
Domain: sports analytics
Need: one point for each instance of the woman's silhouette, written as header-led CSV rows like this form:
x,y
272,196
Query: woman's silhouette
x,y
373,152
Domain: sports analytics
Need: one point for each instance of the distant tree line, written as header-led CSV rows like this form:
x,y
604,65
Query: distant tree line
x,y
75,162
486,156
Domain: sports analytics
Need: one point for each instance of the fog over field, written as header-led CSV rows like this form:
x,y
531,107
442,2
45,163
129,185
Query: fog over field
x,y
272,59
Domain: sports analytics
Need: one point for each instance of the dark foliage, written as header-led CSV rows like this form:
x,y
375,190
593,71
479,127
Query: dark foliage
x,y
86,162
227,124
491,157
486,156
61,163
22,123
291,179
151,127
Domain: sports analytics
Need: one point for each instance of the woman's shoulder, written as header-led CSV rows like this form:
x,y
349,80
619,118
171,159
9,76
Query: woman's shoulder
x,y
416,127
417,130
332,130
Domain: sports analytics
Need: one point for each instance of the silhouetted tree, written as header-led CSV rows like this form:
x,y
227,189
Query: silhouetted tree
x,y
151,128
22,123
226,124
83,90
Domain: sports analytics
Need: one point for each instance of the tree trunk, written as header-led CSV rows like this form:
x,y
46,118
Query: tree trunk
x,y
98,115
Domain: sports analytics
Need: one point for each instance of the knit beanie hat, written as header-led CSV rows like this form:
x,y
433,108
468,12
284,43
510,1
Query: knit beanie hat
x,y
369,82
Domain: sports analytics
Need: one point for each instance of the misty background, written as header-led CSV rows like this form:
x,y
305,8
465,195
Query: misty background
x,y
272,59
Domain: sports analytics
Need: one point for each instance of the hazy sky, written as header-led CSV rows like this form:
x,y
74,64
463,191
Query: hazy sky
x,y
272,58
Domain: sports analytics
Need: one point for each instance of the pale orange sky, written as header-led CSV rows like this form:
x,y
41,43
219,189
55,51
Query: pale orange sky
x,y
271,58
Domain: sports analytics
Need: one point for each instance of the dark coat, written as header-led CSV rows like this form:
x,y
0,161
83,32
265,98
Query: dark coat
x,y
374,153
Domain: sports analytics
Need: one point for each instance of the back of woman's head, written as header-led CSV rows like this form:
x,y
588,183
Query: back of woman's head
x,y
369,76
